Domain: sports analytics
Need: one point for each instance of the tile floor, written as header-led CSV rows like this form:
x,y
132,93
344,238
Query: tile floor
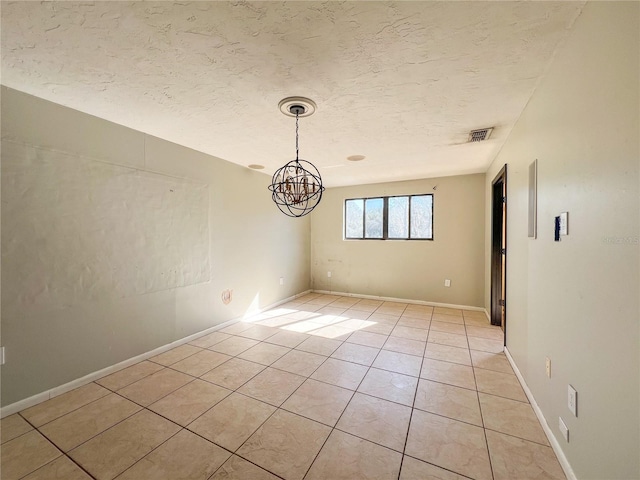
x,y
323,387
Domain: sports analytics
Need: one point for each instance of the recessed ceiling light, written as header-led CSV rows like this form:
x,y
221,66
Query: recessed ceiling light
x,y
255,166
355,158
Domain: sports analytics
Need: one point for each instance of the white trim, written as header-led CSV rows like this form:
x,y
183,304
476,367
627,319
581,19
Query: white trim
x,y
564,463
487,314
59,390
402,300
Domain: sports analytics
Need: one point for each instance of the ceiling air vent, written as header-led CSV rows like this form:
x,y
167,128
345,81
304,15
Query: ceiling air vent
x,y
480,135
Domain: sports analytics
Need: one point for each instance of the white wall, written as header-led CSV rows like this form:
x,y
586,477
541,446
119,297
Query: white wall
x,y
413,270
576,301
115,242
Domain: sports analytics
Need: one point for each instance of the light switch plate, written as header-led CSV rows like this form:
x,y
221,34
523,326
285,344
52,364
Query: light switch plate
x,y
572,400
563,429
564,223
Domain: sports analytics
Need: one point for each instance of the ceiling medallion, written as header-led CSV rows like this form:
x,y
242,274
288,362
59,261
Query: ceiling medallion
x,y
296,188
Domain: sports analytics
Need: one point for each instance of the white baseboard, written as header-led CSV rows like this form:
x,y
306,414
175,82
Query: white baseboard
x,y
402,300
564,463
59,390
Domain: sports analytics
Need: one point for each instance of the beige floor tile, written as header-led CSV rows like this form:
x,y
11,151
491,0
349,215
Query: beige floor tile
x,y
200,363
515,458
450,339
379,327
491,361
398,362
439,317
189,402
456,329
74,428
175,355
276,322
259,332
511,417
449,401
333,332
26,453
448,354
500,384
116,449
493,333
418,334
234,345
395,311
449,444
486,345
413,469
13,426
238,327
129,375
422,313
152,388
272,386
264,353
330,310
299,362
63,404
384,318
286,444
319,401
287,339
209,340
233,373
376,420
450,373
232,421
358,314
340,373
360,354
303,326
185,455
367,339
344,302
237,468
323,300
392,386
60,469
447,311
412,322
477,322
345,457
467,314
404,345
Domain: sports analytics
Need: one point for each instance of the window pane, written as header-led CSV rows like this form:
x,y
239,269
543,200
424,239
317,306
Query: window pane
x,y
373,218
422,216
354,218
398,217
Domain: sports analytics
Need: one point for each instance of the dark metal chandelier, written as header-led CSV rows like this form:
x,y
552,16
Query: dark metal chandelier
x,y
296,188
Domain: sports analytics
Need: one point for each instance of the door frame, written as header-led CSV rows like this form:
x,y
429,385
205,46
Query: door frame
x,y
498,315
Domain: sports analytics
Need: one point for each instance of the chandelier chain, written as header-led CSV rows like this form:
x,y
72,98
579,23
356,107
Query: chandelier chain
x,y
297,136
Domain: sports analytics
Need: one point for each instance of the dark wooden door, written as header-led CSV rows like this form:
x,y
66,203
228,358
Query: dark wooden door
x,y
499,249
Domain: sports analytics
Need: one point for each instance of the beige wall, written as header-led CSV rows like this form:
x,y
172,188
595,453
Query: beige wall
x,y
576,301
413,270
115,243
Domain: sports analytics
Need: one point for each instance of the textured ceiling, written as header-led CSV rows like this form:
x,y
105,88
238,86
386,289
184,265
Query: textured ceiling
x,y
399,82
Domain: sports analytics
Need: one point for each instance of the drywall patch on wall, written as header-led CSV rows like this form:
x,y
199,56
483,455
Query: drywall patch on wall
x,y
76,230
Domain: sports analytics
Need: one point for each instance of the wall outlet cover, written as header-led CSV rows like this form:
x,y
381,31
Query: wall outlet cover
x,y
548,366
564,223
447,283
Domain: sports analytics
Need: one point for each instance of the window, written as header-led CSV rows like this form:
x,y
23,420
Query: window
x,y
407,217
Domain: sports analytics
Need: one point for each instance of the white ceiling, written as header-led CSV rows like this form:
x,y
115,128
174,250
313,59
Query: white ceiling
x,y
399,82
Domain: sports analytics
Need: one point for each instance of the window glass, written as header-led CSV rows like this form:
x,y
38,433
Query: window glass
x,y
354,218
398,217
421,216
374,209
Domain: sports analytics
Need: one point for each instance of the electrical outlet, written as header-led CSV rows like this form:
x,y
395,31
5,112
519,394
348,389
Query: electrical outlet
x,y
447,283
572,400
328,274
281,280
1,355
563,429
548,366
